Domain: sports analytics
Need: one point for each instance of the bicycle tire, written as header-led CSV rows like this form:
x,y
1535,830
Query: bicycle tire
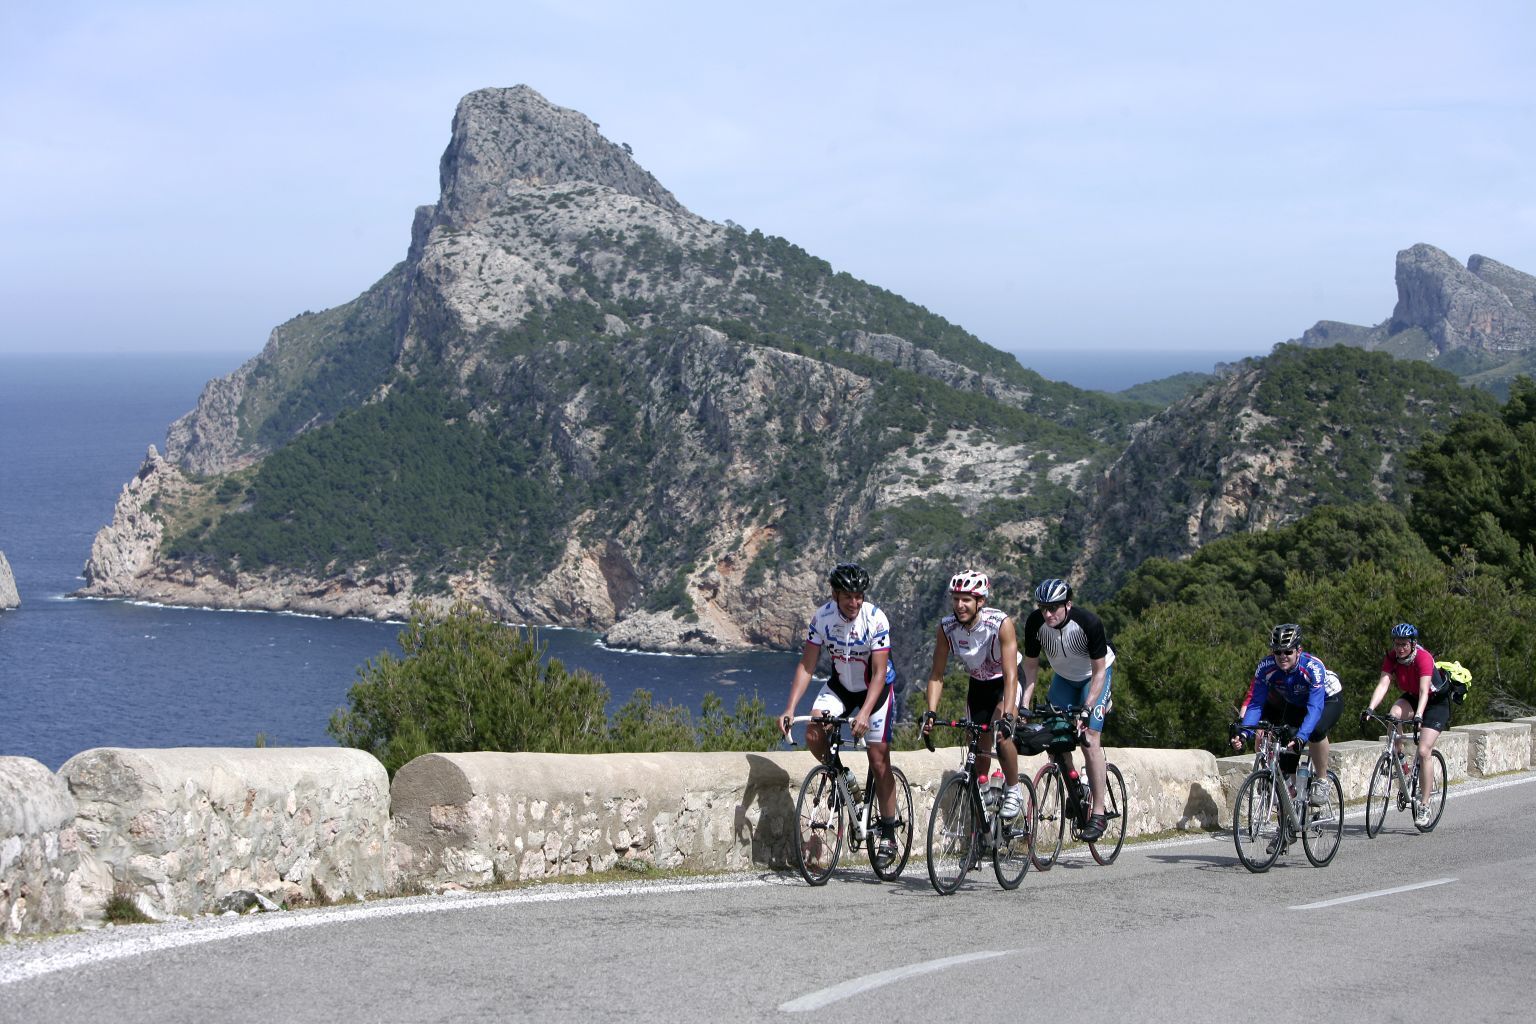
x,y
1323,828
1437,782
1107,847
1050,816
1256,825
953,833
1379,797
820,825
1015,840
892,871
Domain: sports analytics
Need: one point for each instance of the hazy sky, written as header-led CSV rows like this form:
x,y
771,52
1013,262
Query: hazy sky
x,y
1210,176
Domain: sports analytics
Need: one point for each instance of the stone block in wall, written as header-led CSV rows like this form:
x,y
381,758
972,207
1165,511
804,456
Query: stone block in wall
x,y
39,851
1496,747
176,829
1530,723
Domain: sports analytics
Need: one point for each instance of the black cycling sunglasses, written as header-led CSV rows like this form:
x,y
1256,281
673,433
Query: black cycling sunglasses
x,y
1054,606
1284,650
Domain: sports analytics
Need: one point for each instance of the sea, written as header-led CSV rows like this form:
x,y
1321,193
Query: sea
x,y
77,674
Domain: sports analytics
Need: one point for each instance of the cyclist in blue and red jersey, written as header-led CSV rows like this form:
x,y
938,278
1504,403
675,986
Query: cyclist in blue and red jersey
x,y
1413,669
1291,687
858,637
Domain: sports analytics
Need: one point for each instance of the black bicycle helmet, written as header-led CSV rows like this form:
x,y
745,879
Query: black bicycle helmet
x,y
1285,637
1053,591
850,577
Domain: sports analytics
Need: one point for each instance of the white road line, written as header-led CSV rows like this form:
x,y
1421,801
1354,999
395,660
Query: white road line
x,y
146,939
1373,895
816,1000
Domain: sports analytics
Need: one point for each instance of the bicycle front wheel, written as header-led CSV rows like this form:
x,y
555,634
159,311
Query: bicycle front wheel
x,y
890,869
1256,824
1436,791
819,825
1379,797
1050,816
1322,826
954,828
1015,840
1107,847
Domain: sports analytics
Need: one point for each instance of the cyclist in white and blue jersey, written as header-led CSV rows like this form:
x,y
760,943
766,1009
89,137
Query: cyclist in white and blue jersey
x,y
857,635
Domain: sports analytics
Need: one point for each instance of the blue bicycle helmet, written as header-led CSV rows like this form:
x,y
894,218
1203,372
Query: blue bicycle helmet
x,y
1404,630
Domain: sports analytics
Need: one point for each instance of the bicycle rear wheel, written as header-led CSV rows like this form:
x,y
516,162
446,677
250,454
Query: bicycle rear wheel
x,y
1323,827
820,824
1256,824
1050,816
1107,847
891,870
953,833
1379,797
1015,840
1437,791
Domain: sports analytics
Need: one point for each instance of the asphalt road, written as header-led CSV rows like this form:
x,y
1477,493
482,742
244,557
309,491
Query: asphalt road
x,y
1174,931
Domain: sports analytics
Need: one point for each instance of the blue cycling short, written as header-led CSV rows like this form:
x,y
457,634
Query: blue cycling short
x,y
1065,692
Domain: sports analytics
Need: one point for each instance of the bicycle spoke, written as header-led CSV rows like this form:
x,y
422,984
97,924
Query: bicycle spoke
x,y
953,834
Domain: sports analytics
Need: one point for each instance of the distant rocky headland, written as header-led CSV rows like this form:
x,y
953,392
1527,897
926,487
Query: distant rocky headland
x,y
575,402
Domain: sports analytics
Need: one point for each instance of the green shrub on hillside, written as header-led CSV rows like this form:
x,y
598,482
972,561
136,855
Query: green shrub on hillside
x,y
464,682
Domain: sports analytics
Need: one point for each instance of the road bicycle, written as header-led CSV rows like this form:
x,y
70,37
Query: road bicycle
x,y
830,811
966,823
1066,800
1269,815
1392,771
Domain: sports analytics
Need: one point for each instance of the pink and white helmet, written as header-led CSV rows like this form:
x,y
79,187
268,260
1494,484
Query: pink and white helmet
x,y
969,581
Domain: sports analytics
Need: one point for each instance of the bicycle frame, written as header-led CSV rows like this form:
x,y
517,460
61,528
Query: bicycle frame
x,y
833,727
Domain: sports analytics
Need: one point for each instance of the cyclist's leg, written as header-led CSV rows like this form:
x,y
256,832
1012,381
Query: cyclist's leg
x,y
1437,715
878,743
1401,710
1093,747
829,704
981,701
1317,751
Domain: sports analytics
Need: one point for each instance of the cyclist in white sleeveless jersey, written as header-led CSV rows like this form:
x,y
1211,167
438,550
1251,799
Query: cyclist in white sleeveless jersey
x,y
984,640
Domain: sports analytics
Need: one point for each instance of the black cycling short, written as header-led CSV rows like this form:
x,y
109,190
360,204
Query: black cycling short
x,y
1437,713
982,698
1278,711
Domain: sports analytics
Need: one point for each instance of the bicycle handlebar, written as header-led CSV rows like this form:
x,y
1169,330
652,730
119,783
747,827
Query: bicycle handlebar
x,y
1390,722
837,720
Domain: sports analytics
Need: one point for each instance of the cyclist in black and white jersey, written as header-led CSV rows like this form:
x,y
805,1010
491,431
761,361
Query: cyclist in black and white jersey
x,y
1082,664
983,638
858,637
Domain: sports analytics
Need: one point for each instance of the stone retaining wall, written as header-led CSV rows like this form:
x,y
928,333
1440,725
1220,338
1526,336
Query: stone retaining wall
x,y
478,818
178,829
39,851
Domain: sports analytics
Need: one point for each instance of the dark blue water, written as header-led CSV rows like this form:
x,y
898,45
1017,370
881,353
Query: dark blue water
x,y
1118,369
79,674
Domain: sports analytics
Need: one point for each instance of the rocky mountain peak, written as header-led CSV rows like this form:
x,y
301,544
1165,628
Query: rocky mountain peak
x,y
1456,307
504,139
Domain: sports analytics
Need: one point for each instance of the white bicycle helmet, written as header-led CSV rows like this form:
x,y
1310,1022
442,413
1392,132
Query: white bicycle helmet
x,y
969,581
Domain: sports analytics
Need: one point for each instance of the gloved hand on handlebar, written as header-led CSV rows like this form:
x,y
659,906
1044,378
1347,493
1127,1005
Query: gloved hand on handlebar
x,y
1005,727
